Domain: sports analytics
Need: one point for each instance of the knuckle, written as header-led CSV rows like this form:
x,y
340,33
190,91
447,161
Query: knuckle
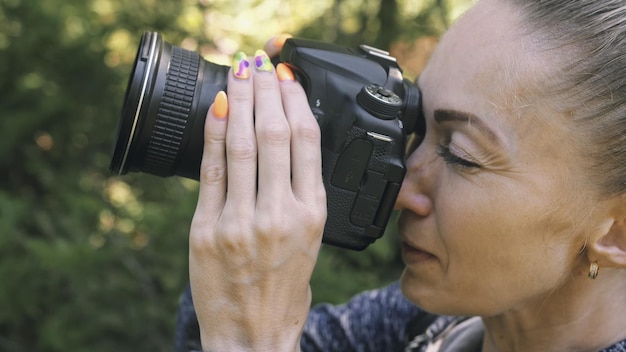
x,y
201,244
320,198
241,149
212,136
317,219
232,238
235,242
277,132
211,172
270,228
316,213
264,227
309,132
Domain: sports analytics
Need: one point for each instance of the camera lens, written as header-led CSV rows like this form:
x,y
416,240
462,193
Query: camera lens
x,y
169,92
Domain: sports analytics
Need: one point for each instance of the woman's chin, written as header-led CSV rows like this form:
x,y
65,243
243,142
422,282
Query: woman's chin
x,y
436,301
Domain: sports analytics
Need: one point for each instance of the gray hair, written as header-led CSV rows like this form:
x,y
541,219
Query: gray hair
x,y
590,37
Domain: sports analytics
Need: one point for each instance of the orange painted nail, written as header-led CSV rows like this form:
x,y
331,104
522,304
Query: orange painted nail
x,y
220,105
284,72
280,39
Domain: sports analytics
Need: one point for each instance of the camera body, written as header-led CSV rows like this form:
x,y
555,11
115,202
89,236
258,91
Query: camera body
x,y
355,97
363,105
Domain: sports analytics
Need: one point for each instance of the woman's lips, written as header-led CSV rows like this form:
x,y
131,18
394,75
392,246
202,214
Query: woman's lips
x,y
415,255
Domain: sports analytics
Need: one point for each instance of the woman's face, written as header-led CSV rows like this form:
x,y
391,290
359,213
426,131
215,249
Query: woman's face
x,y
493,207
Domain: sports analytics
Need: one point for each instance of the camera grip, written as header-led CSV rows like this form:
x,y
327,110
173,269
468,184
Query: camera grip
x,y
362,183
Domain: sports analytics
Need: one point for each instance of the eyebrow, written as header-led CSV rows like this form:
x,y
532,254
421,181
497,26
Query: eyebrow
x,y
446,115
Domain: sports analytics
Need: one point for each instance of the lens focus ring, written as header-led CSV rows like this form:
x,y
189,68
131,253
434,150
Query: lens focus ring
x,y
173,113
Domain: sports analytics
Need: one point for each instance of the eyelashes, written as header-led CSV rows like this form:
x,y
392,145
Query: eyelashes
x,y
444,152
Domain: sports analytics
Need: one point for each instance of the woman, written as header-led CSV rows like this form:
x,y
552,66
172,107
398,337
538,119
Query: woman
x,y
513,209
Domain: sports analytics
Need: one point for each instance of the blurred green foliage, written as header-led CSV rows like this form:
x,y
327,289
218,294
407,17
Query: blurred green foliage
x,y
95,262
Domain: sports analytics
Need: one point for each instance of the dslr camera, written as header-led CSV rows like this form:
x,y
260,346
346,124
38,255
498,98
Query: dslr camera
x,y
364,106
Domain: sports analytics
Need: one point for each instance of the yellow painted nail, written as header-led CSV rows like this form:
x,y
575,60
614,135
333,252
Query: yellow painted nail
x,y
241,65
284,73
262,61
220,105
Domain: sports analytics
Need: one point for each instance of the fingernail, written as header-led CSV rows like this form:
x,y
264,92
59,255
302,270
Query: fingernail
x,y
284,73
241,65
220,105
262,61
280,39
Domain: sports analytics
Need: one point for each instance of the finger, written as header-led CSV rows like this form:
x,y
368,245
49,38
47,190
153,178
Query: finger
x,y
273,46
306,158
213,166
272,131
241,153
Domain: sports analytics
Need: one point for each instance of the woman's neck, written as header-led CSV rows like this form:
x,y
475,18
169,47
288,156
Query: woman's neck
x,y
582,315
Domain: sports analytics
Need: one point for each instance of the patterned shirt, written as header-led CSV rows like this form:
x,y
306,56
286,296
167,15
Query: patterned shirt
x,y
380,320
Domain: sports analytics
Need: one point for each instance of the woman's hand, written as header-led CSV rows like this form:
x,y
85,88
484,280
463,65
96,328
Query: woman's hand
x,y
273,46
258,225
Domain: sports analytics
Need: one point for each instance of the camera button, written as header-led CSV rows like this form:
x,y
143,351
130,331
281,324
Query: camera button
x,y
380,102
351,165
368,201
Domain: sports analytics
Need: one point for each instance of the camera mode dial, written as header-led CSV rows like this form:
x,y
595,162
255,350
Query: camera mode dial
x,y
379,101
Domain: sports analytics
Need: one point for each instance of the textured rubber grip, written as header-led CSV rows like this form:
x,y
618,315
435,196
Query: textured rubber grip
x,y
173,113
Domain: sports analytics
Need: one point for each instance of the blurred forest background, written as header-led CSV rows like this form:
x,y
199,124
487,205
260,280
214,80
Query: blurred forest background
x,y
95,262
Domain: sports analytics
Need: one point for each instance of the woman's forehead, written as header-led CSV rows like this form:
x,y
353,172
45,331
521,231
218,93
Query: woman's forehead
x,y
486,66
484,59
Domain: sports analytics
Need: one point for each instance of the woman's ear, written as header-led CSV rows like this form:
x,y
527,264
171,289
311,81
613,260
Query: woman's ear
x,y
607,247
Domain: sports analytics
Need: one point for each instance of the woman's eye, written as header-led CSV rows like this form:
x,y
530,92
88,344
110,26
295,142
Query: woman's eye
x,y
444,152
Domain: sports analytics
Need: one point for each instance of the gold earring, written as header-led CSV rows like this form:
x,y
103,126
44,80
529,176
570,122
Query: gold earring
x,y
593,270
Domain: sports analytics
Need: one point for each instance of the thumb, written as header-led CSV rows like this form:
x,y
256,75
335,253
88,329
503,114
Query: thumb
x,y
273,46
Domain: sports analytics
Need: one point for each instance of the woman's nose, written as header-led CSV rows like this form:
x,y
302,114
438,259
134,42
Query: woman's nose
x,y
416,193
